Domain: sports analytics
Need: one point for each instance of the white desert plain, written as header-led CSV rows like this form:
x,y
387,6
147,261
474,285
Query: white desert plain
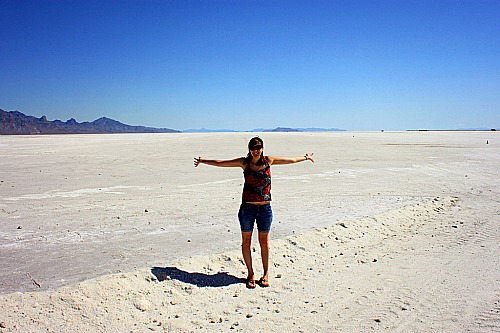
x,y
387,231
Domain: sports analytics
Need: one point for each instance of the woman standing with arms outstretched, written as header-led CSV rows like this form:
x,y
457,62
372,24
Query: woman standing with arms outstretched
x,y
256,201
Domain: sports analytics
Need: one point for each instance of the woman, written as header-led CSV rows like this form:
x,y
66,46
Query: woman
x,y
256,201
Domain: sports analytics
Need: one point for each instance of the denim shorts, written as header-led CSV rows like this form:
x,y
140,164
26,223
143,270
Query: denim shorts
x,y
248,214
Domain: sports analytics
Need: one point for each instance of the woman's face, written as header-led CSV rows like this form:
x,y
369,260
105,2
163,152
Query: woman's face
x,y
256,149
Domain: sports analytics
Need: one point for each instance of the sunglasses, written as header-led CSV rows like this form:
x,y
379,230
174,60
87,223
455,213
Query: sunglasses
x,y
255,147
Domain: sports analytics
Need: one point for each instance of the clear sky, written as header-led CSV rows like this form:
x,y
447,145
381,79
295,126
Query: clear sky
x,y
356,65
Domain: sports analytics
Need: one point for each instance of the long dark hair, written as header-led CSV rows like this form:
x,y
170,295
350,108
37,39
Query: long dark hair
x,y
253,142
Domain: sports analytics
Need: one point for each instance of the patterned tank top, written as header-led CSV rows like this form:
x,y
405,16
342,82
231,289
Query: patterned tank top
x,y
257,186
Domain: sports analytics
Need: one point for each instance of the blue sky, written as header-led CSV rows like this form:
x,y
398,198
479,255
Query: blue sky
x,y
356,65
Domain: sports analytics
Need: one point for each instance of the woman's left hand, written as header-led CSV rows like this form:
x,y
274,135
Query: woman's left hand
x,y
309,157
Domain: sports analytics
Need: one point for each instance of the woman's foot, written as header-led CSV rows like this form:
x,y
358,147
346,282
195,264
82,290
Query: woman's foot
x,y
251,283
263,282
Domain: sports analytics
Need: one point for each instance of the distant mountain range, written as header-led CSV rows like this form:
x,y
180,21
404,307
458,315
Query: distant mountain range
x,y
15,122
300,129
206,130
277,129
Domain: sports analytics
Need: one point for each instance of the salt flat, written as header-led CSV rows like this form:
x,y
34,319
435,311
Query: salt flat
x,y
390,231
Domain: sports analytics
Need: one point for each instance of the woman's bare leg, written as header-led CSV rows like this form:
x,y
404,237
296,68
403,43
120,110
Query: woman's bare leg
x,y
264,251
247,253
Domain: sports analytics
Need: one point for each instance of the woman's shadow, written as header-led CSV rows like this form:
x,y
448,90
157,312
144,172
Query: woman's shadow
x,y
197,279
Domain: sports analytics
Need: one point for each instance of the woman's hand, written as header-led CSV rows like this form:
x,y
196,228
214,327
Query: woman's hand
x,y
309,157
197,161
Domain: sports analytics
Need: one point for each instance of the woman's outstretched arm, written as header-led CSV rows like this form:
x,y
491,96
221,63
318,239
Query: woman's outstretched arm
x,y
290,160
237,162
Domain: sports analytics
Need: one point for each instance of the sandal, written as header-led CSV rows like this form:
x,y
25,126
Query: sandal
x,y
250,284
264,283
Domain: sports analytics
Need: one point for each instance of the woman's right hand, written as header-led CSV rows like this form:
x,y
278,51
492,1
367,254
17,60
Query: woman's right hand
x,y
197,161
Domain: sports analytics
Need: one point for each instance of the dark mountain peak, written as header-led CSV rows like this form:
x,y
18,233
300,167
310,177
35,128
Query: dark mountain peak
x,y
102,119
105,121
17,113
